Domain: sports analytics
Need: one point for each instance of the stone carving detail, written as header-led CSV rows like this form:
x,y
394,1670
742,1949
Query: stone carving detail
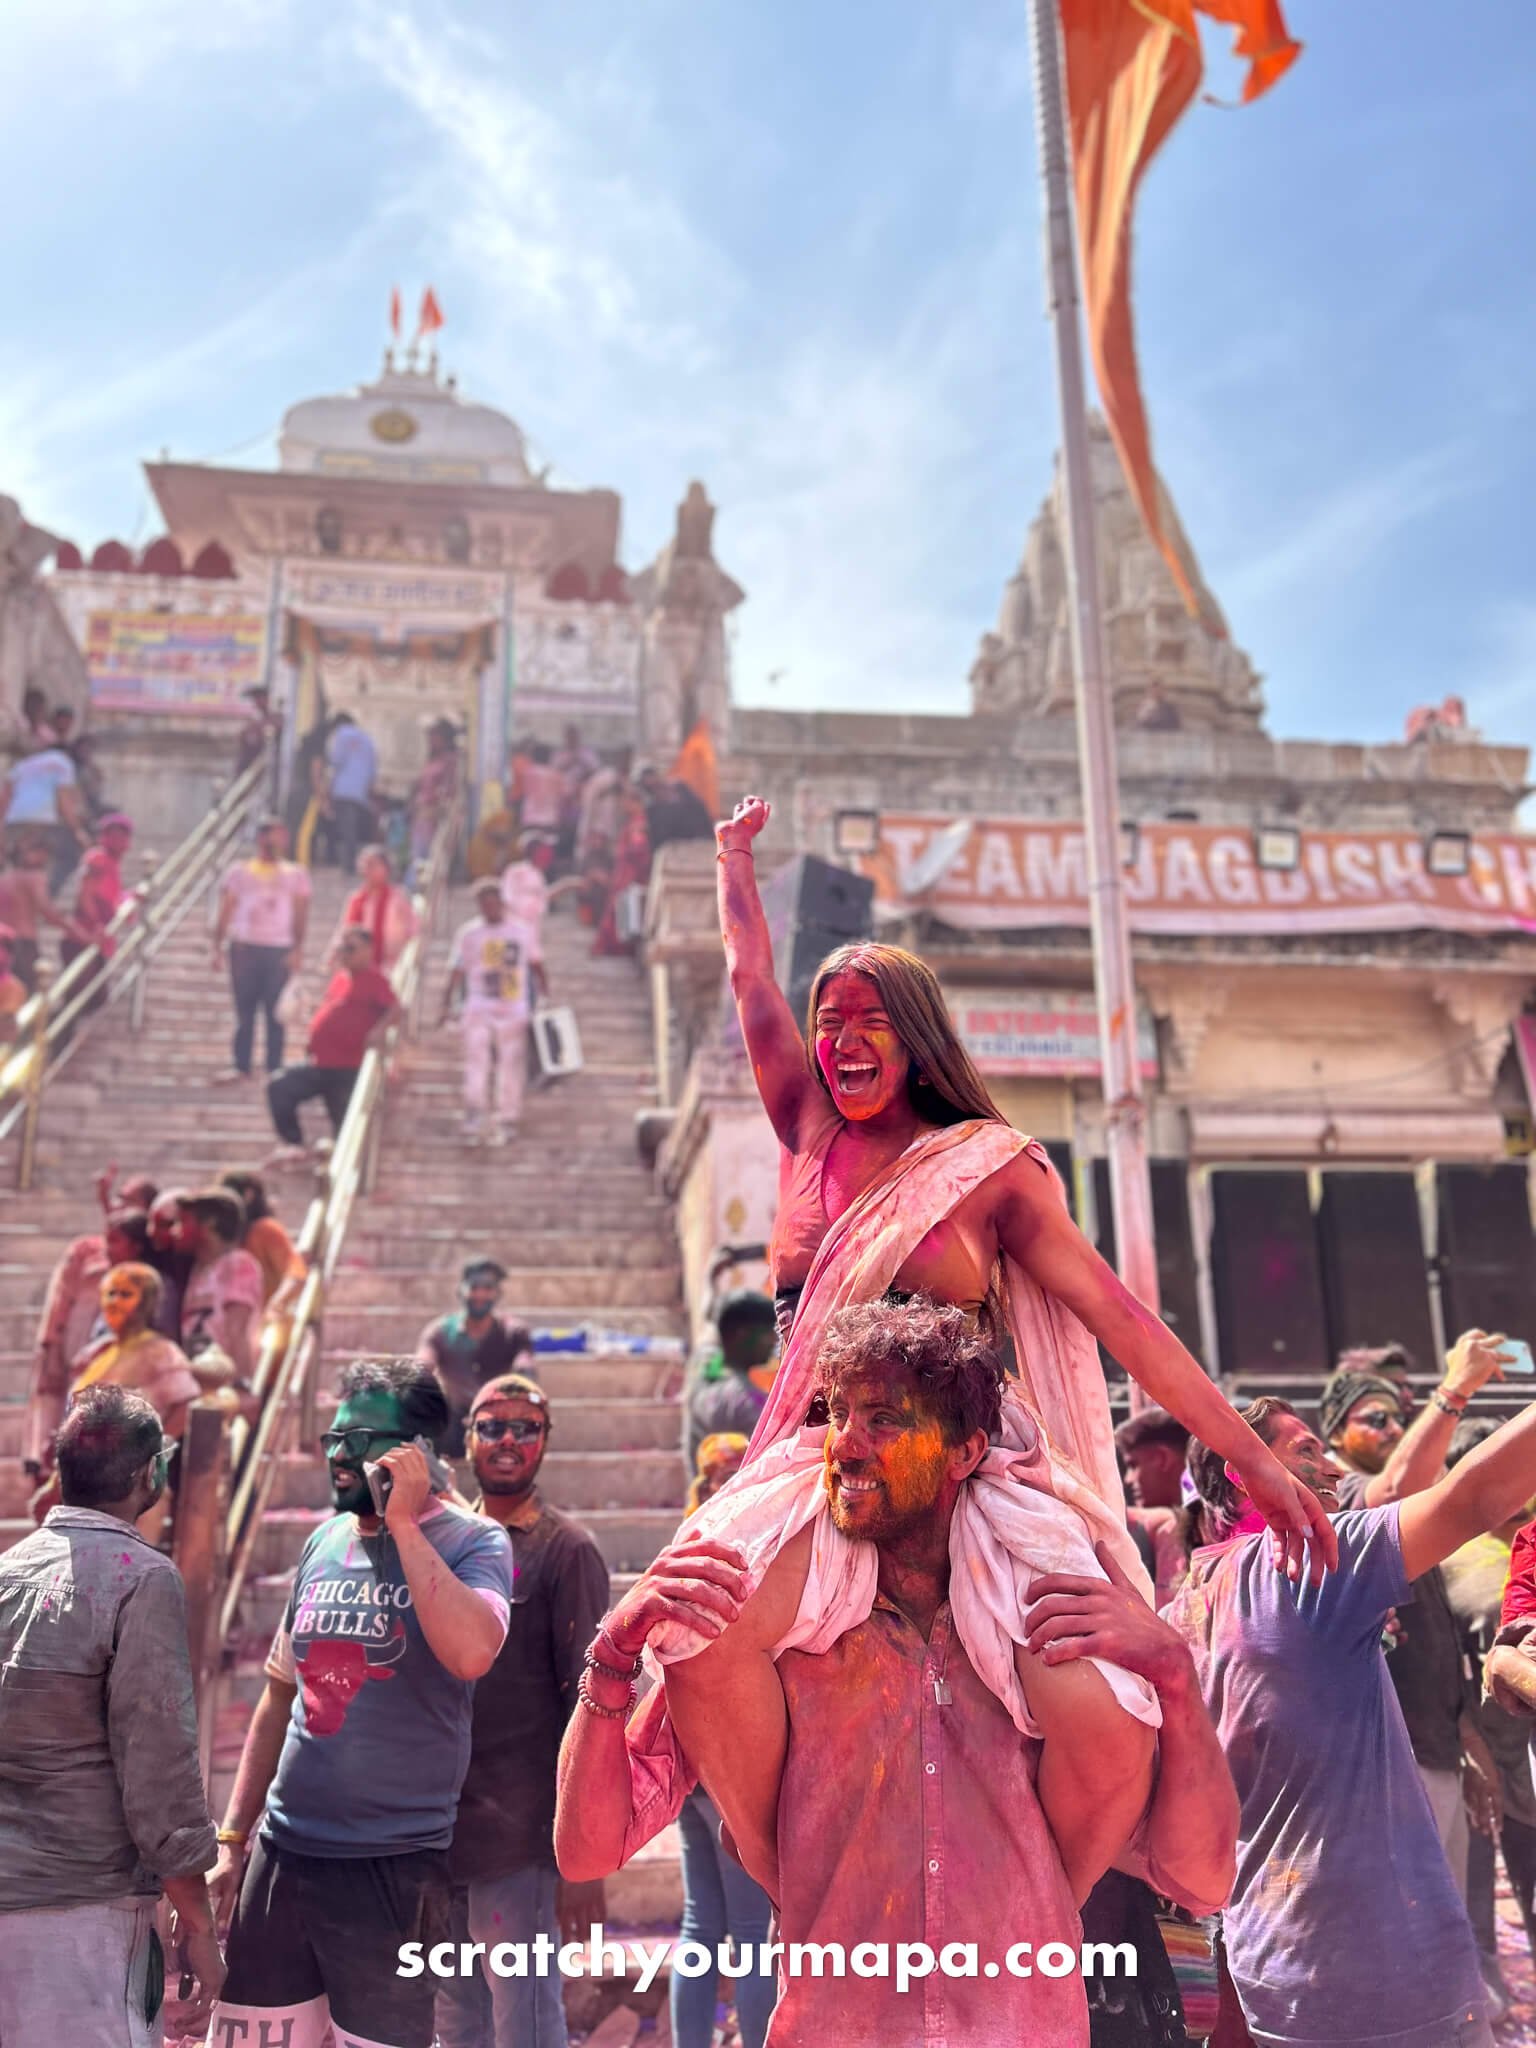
x,y
1025,666
683,598
1483,1012
1187,1009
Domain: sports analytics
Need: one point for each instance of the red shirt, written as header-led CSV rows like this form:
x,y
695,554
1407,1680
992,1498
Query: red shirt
x,y
1520,1587
348,1012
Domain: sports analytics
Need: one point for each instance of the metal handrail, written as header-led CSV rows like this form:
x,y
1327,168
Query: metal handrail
x,y
52,1025
287,1369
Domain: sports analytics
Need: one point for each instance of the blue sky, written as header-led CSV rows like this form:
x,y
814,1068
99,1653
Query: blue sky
x,y
795,251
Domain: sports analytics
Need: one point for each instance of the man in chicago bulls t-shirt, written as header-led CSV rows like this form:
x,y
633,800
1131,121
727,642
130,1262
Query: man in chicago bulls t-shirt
x,y
360,1742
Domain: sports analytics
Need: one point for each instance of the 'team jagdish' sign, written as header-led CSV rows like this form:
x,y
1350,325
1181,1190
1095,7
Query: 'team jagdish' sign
x,y
1011,875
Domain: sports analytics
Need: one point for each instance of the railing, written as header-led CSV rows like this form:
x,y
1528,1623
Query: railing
x,y
53,1025
229,1467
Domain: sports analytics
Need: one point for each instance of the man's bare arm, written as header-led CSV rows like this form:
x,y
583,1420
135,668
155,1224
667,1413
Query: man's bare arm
x,y
728,1707
1491,1485
1419,1458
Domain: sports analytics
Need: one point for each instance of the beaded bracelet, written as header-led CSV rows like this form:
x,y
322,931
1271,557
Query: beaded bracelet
x,y
1449,1404
596,1660
595,1707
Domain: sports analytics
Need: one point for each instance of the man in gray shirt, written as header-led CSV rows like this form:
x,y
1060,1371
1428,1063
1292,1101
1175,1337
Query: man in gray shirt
x,y
101,1798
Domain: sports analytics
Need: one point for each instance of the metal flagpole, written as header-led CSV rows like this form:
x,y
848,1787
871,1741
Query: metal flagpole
x,y
1125,1112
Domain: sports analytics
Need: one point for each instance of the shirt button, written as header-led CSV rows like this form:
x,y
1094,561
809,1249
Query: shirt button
x,y
930,1769
933,1865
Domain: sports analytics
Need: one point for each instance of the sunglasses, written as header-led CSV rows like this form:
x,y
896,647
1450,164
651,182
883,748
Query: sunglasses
x,y
1378,1418
490,1429
353,1443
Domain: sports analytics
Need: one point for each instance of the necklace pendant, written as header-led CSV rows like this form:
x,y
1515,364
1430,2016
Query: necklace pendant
x,y
942,1696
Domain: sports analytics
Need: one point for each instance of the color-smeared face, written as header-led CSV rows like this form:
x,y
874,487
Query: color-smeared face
x,y
887,1467
356,952
507,1439
723,1467
373,870
480,1293
372,1424
121,1248
122,1302
1152,1476
1305,1456
272,841
165,1224
862,1060
1371,1431
116,839
490,904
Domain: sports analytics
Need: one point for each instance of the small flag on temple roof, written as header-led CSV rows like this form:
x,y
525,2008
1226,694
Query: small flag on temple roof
x,y
431,317
394,312
1132,68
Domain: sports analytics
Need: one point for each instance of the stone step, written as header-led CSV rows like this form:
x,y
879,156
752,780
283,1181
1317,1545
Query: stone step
x,y
599,1288
578,1481
629,1538
608,1245
595,1376
368,1328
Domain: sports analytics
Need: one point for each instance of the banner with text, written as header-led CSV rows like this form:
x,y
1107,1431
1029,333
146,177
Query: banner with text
x,y
174,662
1011,874
1039,1032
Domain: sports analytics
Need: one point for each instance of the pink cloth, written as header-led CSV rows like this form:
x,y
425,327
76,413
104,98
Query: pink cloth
x,y
233,1280
927,1828
1037,1503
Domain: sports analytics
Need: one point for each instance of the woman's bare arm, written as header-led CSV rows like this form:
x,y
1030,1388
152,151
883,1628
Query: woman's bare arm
x,y
773,1039
1033,1227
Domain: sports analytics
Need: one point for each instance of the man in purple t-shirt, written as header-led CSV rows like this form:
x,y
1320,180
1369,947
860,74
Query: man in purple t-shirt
x,y
1345,1924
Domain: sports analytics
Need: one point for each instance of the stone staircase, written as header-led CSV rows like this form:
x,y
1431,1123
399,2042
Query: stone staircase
x,y
573,1214
147,1102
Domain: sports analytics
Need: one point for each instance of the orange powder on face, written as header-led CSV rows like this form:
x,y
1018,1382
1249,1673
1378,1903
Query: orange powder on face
x,y
910,1467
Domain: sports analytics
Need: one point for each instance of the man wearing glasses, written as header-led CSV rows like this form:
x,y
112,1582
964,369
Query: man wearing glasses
x,y
503,1858
358,1746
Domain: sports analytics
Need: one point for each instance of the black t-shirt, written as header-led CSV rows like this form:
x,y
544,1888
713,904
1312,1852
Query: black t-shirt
x,y
507,1807
1428,1666
464,1363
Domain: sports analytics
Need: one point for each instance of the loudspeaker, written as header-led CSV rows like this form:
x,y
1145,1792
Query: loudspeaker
x,y
1266,1274
814,892
1487,1274
1375,1279
812,908
1177,1282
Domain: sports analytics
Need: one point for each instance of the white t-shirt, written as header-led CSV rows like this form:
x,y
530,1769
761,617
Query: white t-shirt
x,y
266,896
526,895
36,780
494,960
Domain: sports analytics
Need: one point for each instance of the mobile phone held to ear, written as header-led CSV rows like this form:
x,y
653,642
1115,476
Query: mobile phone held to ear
x,y
380,1479
1516,1356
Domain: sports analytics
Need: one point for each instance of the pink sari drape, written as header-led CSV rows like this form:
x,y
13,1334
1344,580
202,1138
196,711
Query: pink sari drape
x,y
1040,1499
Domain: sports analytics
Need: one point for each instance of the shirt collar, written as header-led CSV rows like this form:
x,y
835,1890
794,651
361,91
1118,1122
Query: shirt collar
x,y
92,1518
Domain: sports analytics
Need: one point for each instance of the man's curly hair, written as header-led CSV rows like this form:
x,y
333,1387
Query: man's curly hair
x,y
957,1371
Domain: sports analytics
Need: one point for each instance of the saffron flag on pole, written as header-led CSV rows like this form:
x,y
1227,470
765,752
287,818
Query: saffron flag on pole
x,y
394,311
431,316
696,766
1132,68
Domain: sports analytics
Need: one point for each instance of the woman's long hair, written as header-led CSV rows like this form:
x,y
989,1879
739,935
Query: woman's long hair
x,y
950,1090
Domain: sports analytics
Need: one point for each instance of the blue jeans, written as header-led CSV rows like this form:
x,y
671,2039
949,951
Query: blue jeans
x,y
719,1901
503,2012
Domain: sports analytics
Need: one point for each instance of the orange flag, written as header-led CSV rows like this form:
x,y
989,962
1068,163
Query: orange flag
x,y
431,316
1132,68
394,312
697,767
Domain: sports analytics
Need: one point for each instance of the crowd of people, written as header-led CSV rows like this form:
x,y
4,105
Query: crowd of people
x,y
62,847
940,1666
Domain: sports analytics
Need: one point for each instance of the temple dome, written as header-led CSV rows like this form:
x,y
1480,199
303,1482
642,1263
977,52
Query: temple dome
x,y
407,426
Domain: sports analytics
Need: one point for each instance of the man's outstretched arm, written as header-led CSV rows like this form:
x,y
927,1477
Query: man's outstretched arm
x,y
728,1707
1190,1840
